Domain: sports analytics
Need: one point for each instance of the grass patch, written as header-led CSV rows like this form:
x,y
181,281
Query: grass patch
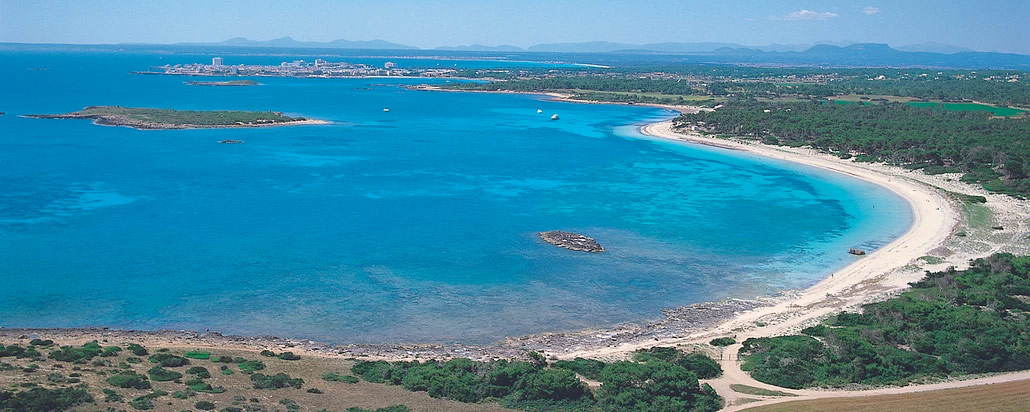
x,y
751,390
336,377
197,355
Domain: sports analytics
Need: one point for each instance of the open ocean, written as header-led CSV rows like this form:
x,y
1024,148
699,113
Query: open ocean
x,y
417,225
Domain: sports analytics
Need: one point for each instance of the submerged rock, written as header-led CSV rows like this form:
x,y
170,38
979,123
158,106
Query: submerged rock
x,y
571,241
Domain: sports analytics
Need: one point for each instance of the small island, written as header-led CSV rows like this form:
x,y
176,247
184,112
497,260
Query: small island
x,y
571,241
222,83
162,119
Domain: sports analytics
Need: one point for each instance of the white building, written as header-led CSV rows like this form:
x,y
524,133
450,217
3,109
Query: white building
x,y
216,62
390,65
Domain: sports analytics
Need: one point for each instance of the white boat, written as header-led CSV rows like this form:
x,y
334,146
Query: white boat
x,y
386,110
554,116
538,111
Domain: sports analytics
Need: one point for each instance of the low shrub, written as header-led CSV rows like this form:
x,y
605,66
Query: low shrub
x,y
160,374
336,377
277,381
129,380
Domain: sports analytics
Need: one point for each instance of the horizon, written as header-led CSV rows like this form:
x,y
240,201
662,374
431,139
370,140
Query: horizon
x,y
999,25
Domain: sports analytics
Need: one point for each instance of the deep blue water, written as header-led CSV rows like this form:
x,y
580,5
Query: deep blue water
x,y
413,225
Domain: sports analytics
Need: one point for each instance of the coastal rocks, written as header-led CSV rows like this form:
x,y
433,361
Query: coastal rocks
x,y
571,241
856,252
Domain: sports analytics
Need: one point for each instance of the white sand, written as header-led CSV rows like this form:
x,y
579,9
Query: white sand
x,y
872,277
934,218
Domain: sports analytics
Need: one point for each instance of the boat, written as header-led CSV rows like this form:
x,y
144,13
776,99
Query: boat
x,y
538,111
230,141
385,110
554,116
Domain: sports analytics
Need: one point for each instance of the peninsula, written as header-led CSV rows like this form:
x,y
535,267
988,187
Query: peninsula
x,y
162,119
222,83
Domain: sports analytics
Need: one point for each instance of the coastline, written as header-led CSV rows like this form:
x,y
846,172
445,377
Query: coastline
x,y
873,277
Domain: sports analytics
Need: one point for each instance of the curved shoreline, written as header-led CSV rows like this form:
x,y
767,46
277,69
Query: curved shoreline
x,y
874,275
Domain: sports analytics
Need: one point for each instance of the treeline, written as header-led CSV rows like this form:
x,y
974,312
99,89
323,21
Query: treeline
x,y
593,83
947,89
989,151
659,379
949,323
1002,87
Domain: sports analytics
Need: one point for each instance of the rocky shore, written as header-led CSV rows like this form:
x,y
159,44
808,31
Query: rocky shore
x,y
571,241
677,322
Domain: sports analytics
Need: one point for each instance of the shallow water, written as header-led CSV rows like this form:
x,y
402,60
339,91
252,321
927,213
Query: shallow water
x,y
409,226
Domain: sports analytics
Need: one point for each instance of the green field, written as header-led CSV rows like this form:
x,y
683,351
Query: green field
x,y
969,107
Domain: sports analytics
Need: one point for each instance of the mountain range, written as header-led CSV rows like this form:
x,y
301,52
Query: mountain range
x,y
580,47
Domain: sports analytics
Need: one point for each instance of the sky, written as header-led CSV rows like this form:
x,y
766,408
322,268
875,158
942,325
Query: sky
x,y
987,25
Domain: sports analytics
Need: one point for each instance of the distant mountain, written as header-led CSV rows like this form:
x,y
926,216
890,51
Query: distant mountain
x,y
585,47
480,47
290,42
872,54
933,47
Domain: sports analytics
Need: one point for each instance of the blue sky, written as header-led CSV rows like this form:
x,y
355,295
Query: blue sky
x,y
991,25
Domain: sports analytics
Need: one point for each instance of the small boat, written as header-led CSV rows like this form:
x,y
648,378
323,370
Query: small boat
x,y
554,116
230,141
385,110
538,111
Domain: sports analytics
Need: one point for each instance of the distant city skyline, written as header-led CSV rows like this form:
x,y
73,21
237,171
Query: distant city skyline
x,y
998,25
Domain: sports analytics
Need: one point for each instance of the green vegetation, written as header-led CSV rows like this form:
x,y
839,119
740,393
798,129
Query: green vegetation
x,y
703,366
137,350
18,352
169,360
251,366
751,390
204,405
129,379
288,356
80,354
588,368
336,377
658,380
721,81
159,374
968,107
277,381
948,323
197,355
162,118
199,371
44,400
991,152
724,341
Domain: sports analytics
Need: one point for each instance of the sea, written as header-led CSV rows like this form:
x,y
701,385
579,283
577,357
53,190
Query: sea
x,y
417,225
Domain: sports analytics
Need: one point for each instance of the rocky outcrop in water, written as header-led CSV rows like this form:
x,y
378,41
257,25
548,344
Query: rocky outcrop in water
x,y
571,241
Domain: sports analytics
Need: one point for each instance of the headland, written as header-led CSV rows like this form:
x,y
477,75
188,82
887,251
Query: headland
x,y
163,119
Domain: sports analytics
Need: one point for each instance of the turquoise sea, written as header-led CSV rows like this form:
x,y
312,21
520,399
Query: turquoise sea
x,y
417,225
